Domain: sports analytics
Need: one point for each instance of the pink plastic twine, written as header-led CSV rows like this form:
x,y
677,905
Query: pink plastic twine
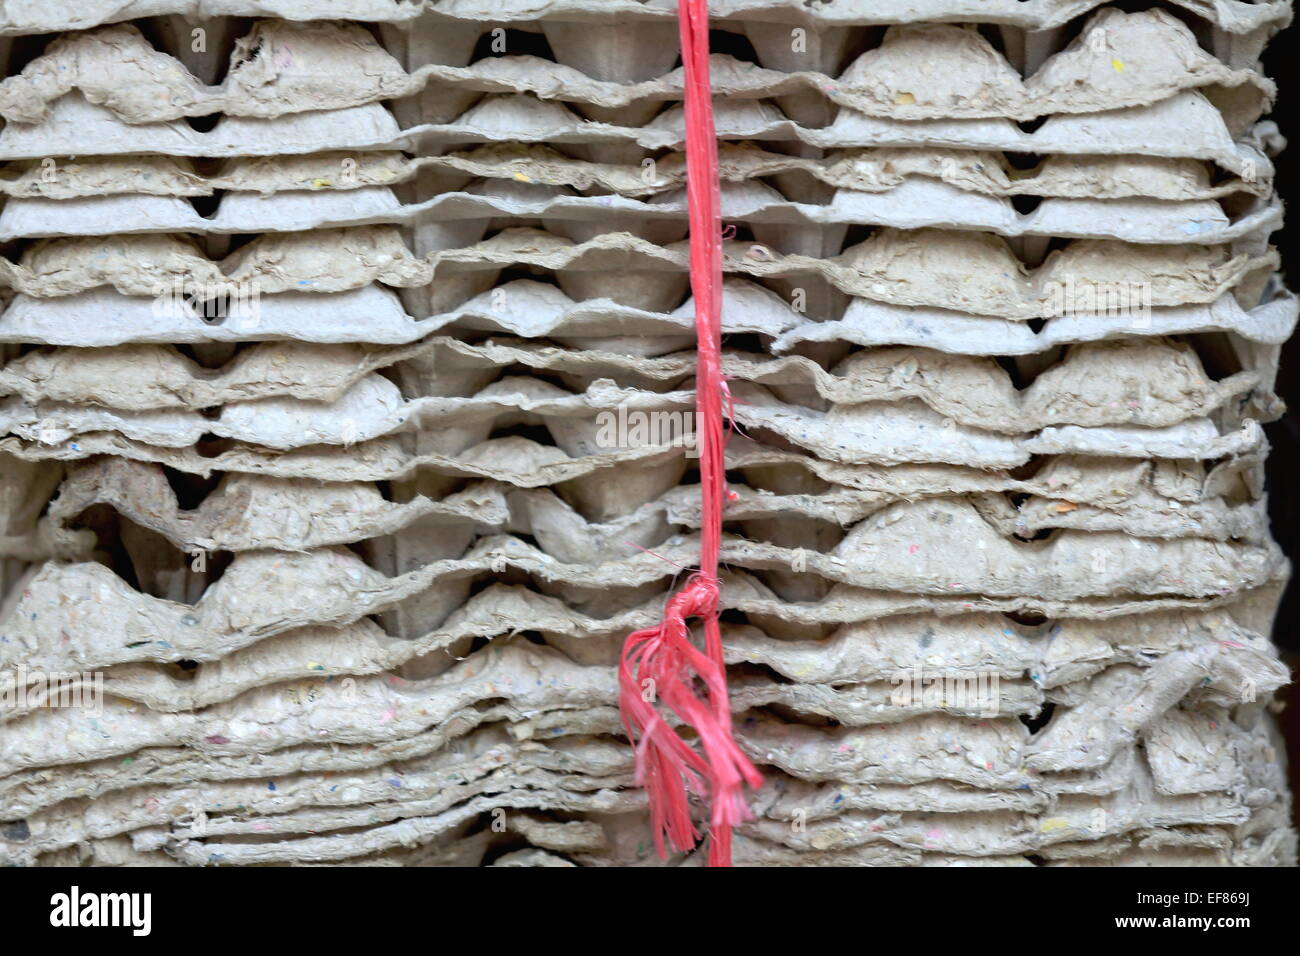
x,y
662,664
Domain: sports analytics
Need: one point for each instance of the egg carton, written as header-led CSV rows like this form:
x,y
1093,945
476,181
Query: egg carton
x,y
545,840
1185,126
372,407
145,377
220,621
512,459
1087,280
34,793
909,432
459,378
1142,514
526,678
1119,59
1204,846
61,16
1116,832
860,170
859,691
907,577
1080,391
454,216
278,67
816,613
1114,286
1067,817
869,323
534,309
217,838
878,268
1233,17
978,392
199,814
1061,825
986,755
1051,653
485,761
342,847
1104,489
1070,565
278,369
1106,483
1035,15
1078,388
960,835
908,833
524,307
252,512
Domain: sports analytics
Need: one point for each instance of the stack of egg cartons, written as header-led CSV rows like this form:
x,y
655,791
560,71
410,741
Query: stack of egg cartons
x,y
1007,582
317,369
348,368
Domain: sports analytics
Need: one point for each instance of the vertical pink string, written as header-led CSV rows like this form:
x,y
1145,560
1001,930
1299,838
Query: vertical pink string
x,y
662,665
